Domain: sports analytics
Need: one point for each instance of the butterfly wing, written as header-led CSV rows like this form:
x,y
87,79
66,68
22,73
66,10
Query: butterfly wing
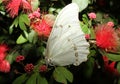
x,y
67,44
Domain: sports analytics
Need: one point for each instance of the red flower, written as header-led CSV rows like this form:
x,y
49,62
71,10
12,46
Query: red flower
x,y
3,48
2,57
42,25
5,66
20,58
43,68
26,5
42,28
106,37
29,67
13,6
110,67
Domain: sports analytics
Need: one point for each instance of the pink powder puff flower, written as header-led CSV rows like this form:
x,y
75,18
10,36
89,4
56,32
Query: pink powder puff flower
x,y
13,6
42,28
3,48
35,14
110,67
106,37
92,15
110,24
26,5
5,66
40,24
2,57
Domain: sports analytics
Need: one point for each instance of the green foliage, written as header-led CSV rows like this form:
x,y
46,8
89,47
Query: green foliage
x,y
62,75
21,79
22,20
89,65
11,57
21,39
15,23
32,79
35,4
118,67
104,19
84,24
32,37
113,56
41,80
0,1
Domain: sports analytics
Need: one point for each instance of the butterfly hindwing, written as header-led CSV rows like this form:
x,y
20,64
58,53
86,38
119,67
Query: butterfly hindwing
x,y
66,44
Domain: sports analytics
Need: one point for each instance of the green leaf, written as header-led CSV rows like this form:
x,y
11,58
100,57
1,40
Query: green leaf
x,y
25,19
15,23
67,74
118,81
32,79
81,3
111,56
89,65
41,49
21,79
58,76
92,53
51,10
41,80
32,37
92,33
22,25
35,4
85,28
21,39
0,1
118,67
85,19
27,49
26,34
11,29
61,74
11,57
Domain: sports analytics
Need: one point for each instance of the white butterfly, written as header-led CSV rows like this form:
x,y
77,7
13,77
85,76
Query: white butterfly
x,y
67,44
